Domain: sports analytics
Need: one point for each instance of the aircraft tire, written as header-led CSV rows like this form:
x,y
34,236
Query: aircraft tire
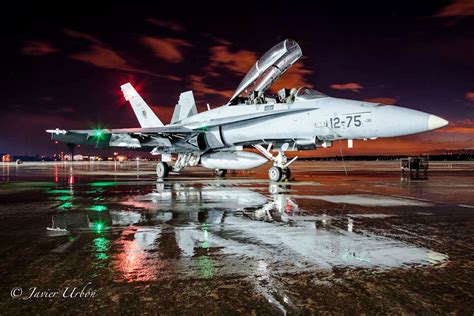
x,y
220,172
286,174
275,174
162,170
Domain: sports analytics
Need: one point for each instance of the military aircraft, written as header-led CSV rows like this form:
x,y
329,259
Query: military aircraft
x,y
293,119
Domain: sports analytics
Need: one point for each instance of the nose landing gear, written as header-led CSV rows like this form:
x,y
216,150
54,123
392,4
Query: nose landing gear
x,y
280,170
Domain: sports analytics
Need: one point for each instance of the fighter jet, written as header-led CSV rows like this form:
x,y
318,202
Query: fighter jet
x,y
293,119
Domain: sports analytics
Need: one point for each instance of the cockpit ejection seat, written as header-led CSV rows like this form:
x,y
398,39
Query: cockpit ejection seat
x,y
291,97
286,95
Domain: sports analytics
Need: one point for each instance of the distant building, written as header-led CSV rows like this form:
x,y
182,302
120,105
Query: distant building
x,y
78,157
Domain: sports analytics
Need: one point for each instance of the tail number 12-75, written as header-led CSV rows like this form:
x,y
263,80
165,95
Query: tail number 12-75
x,y
351,120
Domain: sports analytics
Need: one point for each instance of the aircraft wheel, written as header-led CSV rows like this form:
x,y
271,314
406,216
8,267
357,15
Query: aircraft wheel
x,y
275,174
220,172
162,170
286,174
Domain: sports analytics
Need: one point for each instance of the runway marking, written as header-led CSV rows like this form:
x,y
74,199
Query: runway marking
x,y
464,205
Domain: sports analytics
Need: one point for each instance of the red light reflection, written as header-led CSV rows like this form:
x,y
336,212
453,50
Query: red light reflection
x,y
137,261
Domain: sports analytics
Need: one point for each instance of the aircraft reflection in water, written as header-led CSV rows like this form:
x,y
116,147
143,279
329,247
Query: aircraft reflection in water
x,y
180,230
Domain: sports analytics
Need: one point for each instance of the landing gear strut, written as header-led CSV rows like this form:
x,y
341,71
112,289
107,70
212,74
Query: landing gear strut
x,y
162,170
280,170
220,172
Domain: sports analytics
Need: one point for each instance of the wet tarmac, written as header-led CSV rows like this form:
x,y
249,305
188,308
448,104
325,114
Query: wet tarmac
x,y
108,237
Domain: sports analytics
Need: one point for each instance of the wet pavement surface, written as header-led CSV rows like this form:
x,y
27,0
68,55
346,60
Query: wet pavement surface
x,y
108,237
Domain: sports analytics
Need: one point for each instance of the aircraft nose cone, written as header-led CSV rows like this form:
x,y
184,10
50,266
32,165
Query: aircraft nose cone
x,y
435,122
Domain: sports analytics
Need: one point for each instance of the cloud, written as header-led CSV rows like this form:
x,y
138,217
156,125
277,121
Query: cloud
x,y
102,56
38,48
458,8
200,88
465,126
166,48
382,100
166,24
83,36
107,58
294,78
353,86
470,96
222,58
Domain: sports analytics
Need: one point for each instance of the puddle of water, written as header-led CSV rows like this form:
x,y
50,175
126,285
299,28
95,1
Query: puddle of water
x,y
367,200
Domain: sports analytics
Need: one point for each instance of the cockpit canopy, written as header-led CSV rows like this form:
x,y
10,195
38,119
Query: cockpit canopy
x,y
269,68
305,93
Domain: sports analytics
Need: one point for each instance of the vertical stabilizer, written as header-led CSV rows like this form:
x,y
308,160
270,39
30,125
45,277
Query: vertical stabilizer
x,y
186,107
146,117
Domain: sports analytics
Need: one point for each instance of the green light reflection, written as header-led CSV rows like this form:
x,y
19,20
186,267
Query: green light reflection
x,y
65,205
64,197
59,191
205,266
98,208
97,226
103,183
101,245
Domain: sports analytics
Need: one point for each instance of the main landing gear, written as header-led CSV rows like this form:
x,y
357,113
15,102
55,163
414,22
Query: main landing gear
x,y
162,170
184,160
280,170
220,172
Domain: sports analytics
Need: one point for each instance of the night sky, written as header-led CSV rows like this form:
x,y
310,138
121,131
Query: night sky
x,y
63,66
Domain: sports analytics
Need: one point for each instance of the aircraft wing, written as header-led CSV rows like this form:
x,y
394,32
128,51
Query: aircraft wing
x,y
134,130
123,137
